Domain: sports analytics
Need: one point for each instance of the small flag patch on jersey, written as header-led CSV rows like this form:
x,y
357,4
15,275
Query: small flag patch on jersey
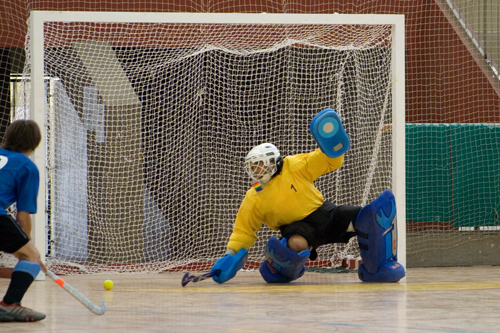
x,y
257,186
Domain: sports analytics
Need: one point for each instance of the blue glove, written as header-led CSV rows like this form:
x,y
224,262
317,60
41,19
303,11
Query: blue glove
x,y
229,265
331,137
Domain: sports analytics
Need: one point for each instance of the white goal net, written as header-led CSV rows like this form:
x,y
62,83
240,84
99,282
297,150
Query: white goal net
x,y
149,116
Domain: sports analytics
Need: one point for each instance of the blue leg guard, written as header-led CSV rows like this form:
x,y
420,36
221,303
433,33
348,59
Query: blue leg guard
x,y
377,238
282,265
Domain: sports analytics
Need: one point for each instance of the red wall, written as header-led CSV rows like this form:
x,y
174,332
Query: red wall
x,y
444,82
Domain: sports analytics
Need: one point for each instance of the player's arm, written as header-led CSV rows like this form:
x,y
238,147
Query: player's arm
x,y
24,219
317,164
246,225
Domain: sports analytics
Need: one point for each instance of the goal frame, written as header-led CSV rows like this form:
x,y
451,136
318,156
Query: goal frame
x,y
38,110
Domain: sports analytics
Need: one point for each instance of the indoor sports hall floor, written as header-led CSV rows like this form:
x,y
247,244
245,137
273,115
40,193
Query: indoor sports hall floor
x,y
427,300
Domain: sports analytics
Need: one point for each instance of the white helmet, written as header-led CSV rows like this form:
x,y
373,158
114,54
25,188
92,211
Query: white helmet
x,y
262,162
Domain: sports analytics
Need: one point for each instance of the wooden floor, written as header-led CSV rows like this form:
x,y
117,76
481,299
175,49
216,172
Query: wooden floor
x,y
427,300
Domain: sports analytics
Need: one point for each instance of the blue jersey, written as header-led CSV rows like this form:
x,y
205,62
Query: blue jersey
x,y
19,181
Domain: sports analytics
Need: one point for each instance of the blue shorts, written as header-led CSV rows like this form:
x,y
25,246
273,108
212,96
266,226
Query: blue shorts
x,y
12,236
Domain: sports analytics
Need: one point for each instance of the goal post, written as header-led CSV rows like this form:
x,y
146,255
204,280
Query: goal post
x,y
154,112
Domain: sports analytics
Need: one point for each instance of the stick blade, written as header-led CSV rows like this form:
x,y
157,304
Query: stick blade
x,y
101,309
185,279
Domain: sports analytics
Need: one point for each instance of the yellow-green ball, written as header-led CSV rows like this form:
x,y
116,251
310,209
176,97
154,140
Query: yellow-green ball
x,y
108,284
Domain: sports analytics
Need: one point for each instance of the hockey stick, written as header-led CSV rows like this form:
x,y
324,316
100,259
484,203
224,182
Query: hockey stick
x,y
98,310
187,278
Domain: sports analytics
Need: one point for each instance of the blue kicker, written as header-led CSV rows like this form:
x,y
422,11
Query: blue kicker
x,y
282,265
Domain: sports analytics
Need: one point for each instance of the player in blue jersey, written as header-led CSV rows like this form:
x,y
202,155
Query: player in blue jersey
x,y
19,182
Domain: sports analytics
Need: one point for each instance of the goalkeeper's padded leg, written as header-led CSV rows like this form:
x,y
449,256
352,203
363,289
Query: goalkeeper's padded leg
x,y
377,238
390,271
229,265
282,265
326,128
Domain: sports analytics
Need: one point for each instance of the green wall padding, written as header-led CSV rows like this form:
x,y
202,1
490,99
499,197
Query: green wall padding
x,y
428,183
476,174
453,174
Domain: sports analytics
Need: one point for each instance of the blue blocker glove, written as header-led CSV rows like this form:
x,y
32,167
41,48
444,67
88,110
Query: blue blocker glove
x,y
229,265
331,137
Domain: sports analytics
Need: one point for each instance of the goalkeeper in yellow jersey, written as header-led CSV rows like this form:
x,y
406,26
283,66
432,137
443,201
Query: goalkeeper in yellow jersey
x,y
284,197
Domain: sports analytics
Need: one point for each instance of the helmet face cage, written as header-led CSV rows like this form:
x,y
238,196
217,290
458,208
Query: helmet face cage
x,y
260,163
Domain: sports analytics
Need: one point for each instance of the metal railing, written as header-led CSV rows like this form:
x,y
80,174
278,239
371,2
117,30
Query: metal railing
x,y
481,21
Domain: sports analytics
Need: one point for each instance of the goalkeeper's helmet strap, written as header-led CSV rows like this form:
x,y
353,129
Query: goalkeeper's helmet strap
x,y
279,166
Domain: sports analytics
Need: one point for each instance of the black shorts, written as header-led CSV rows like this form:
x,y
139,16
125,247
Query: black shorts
x,y
12,236
328,224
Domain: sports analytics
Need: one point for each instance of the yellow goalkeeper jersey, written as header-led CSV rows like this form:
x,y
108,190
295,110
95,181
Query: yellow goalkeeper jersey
x,y
288,197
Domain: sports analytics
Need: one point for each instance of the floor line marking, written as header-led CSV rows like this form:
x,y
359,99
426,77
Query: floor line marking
x,y
329,288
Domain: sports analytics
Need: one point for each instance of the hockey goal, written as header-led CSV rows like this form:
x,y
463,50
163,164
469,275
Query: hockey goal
x,y
150,115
